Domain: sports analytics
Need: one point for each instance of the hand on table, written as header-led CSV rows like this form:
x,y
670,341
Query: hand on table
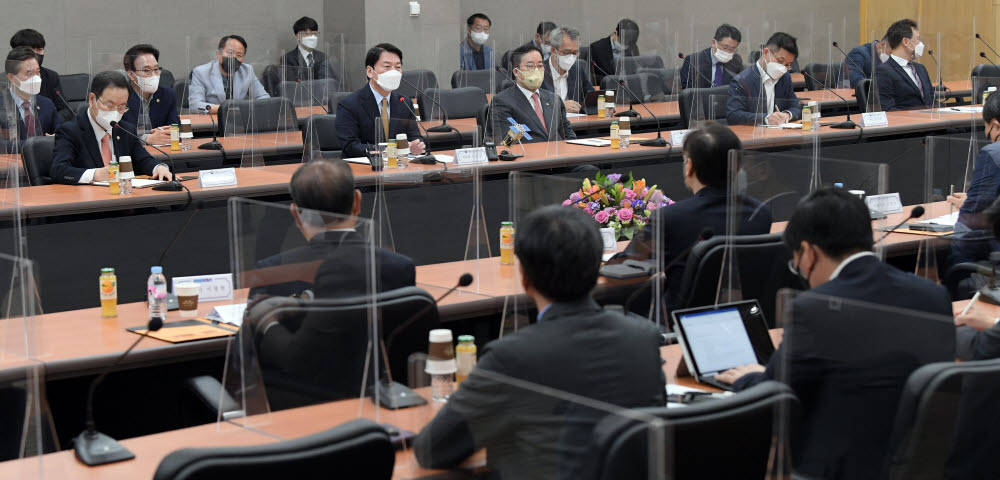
x,y
159,136
572,106
417,147
957,199
733,374
101,175
777,118
976,318
161,172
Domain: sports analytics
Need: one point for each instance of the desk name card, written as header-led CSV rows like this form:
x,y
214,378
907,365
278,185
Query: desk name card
x,y
211,287
471,156
874,119
677,137
884,204
219,177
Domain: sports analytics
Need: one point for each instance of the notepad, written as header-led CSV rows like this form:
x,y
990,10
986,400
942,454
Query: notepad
x,y
572,115
229,314
790,126
591,142
136,183
187,331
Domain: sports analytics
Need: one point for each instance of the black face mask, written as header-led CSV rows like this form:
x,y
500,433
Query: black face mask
x,y
231,64
40,57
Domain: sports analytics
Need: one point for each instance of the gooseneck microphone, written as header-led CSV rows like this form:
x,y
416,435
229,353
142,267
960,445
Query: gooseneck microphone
x,y
846,124
987,46
940,86
444,127
427,158
696,70
61,97
311,94
93,447
849,59
173,185
983,54
917,212
214,144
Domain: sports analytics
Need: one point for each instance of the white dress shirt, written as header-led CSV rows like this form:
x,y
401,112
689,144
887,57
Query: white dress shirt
x,y
99,132
909,71
847,260
768,84
559,82
305,56
528,94
378,101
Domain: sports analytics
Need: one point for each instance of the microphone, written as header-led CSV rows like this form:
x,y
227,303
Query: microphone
x,y
846,124
627,113
64,101
848,58
987,46
444,127
505,73
427,158
889,163
706,233
917,212
299,81
940,86
173,185
695,68
983,54
214,144
93,447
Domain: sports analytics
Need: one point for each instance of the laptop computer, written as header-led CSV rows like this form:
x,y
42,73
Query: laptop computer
x,y
719,337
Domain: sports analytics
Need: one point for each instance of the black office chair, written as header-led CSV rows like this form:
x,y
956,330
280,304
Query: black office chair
x,y
829,74
984,77
320,135
75,88
482,117
743,426
762,261
481,79
181,90
420,79
356,449
946,422
668,78
37,157
166,78
335,99
634,64
457,102
269,115
698,104
861,93
308,93
647,86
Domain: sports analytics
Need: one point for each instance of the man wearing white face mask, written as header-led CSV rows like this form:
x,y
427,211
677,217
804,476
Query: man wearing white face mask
x,y
904,84
714,66
473,53
85,146
859,60
562,73
528,103
151,108
540,40
364,116
308,62
763,94
36,115
607,52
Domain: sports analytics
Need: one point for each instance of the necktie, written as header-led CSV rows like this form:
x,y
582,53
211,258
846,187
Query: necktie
x,y
309,60
106,149
228,87
385,117
717,79
916,78
29,119
538,109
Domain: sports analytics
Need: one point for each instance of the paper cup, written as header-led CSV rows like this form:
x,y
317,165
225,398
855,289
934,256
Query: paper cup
x,y
440,353
187,298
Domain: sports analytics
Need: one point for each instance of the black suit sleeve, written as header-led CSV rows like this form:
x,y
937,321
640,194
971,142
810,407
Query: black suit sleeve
x,y
349,130
886,89
567,128
67,148
986,344
498,117
687,80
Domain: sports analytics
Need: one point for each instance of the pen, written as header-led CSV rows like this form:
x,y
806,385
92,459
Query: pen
x,y
971,302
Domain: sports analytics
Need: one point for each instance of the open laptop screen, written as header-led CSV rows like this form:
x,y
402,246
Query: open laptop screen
x,y
717,340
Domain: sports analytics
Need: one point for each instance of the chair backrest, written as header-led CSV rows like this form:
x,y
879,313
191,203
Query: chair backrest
x,y
668,77
989,76
420,79
742,425
633,64
762,262
946,422
356,449
166,78
181,91
269,115
482,116
320,133
703,104
457,102
335,99
830,74
308,93
75,86
481,79
37,158
861,91
647,86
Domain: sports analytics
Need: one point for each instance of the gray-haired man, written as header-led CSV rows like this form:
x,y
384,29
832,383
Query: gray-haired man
x,y
563,74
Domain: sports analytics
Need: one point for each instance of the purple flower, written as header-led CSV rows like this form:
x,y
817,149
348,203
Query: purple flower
x,y
625,214
629,194
610,210
638,205
595,206
657,197
602,217
614,177
575,197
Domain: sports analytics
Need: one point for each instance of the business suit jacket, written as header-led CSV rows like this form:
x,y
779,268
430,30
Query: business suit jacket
x,y
47,119
577,83
897,92
76,150
698,70
323,67
602,54
681,225
973,238
162,108
356,117
849,409
207,86
512,103
577,348
746,104
466,60
859,63
51,84
505,59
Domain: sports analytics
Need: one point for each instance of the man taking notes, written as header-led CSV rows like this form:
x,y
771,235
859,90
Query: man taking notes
x,y
763,94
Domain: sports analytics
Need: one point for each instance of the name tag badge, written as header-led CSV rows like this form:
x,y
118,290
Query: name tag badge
x,y
874,119
219,177
211,287
471,156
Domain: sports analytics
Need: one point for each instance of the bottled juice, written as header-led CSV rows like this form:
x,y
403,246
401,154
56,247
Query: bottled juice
x,y
109,292
390,154
465,357
614,135
113,185
175,137
600,106
507,243
807,118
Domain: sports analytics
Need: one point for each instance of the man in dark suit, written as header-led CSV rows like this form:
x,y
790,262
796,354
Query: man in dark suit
x,y
151,108
575,348
753,101
717,65
563,75
539,41
607,53
904,84
706,153
859,60
376,102
325,206
848,403
35,114
85,146
51,85
528,104
310,63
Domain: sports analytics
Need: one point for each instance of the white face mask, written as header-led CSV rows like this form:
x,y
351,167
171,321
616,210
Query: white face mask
x,y
776,70
310,41
616,45
479,38
918,51
546,49
31,86
148,84
721,55
566,62
389,79
884,57
104,118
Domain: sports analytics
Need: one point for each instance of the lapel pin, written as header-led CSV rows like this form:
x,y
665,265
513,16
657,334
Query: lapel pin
x,y
157,100
117,137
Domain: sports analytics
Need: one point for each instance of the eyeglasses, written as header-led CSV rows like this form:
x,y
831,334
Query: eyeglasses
x,y
726,48
149,71
566,52
530,66
121,109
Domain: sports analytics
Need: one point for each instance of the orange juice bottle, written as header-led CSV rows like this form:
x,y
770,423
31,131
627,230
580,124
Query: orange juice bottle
x,y
506,243
113,185
465,357
109,293
614,135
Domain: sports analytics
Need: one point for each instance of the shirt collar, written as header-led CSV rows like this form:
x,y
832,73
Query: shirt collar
x,y
378,96
555,69
847,260
17,99
304,53
542,312
764,77
527,93
900,60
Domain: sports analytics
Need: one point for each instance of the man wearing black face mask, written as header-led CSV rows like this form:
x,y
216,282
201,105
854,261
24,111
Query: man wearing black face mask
x,y
50,79
225,78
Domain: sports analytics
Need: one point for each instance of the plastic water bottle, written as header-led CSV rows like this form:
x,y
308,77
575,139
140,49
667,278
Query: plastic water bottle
x,y
156,293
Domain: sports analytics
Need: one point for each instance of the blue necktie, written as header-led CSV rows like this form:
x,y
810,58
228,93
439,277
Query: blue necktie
x,y
717,79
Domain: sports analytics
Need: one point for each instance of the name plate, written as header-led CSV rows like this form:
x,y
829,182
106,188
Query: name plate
x,y
212,287
471,156
219,177
874,119
884,204
677,137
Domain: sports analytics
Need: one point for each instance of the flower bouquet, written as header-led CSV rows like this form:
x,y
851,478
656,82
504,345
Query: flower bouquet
x,y
622,205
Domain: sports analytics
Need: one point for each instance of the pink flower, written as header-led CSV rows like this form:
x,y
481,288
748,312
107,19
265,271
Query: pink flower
x,y
625,214
629,194
567,203
626,203
657,197
602,217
